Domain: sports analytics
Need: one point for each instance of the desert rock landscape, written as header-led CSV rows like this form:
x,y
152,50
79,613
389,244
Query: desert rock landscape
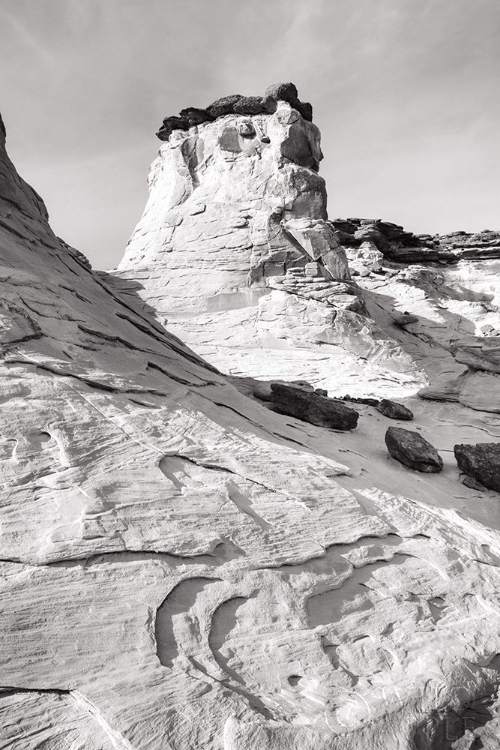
x,y
250,477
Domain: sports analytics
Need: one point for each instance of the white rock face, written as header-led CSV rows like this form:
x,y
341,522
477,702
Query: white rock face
x,y
183,568
235,213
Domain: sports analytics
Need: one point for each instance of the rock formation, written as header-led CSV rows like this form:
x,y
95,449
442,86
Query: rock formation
x,y
236,255
183,567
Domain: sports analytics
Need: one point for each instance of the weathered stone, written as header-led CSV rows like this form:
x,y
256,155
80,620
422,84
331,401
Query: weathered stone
x,y
311,407
250,105
361,400
246,129
194,116
169,125
223,106
480,461
405,319
305,109
412,450
478,352
286,92
393,410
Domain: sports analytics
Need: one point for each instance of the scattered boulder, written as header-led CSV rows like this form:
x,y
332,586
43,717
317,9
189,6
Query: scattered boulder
x,y
312,407
481,462
393,410
262,390
405,319
361,400
412,450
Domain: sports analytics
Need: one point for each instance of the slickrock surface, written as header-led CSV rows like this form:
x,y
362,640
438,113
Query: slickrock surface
x,y
183,568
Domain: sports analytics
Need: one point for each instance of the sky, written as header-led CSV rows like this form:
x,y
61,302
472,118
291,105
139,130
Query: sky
x,y
406,94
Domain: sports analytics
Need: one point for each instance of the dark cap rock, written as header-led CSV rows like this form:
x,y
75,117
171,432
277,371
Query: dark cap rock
x,y
250,105
223,106
195,116
286,92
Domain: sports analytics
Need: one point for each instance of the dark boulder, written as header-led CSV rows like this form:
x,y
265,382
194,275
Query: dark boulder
x,y
412,450
223,106
393,410
169,125
305,109
286,92
250,105
312,407
361,400
405,319
194,116
481,462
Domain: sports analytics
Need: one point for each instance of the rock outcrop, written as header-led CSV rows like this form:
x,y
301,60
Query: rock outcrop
x,y
365,238
236,254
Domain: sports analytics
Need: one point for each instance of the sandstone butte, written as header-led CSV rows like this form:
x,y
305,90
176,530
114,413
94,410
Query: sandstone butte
x,y
183,567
